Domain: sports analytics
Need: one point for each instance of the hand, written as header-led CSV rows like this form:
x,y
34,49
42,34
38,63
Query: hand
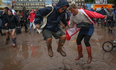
x,y
67,27
63,25
105,17
105,20
24,20
18,27
6,24
37,26
2,13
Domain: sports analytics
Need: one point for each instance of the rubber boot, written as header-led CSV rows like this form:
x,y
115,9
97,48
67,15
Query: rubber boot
x,y
49,47
111,31
108,30
7,40
89,55
60,48
80,55
14,42
29,31
61,51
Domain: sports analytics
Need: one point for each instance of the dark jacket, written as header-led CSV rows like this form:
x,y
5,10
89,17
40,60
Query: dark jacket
x,y
25,14
103,12
4,20
1,17
54,18
12,22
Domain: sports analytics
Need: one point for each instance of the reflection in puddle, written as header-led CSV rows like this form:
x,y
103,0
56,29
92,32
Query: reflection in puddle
x,y
31,54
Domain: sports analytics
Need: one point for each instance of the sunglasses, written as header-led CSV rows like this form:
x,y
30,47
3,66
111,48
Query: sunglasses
x,y
63,9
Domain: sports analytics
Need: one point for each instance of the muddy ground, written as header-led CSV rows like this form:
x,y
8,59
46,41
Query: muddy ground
x,y
35,57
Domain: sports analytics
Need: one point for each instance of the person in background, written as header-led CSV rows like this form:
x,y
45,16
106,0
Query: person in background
x,y
102,11
32,17
36,11
12,23
18,16
21,18
1,14
4,21
110,20
25,18
18,30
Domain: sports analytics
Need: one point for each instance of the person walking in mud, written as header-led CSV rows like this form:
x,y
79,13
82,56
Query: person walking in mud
x,y
52,26
83,16
110,20
4,20
32,17
11,25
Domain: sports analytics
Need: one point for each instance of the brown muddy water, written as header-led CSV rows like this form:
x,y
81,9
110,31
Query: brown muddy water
x,y
31,53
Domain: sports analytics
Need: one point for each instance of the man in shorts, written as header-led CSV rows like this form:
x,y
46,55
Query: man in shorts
x,y
52,27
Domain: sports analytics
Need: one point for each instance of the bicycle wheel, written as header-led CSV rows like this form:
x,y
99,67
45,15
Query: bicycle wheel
x,y
107,46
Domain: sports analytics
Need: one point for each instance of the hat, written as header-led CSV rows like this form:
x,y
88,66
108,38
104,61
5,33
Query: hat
x,y
102,7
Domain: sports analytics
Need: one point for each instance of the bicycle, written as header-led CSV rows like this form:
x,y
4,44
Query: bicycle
x,y
109,45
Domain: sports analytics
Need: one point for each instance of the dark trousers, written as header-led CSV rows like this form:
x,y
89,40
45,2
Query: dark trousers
x,y
24,24
86,39
1,32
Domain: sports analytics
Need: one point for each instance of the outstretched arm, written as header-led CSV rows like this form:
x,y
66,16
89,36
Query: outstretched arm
x,y
93,14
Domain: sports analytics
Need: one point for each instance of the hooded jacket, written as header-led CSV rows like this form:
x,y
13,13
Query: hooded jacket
x,y
102,12
12,22
32,16
53,20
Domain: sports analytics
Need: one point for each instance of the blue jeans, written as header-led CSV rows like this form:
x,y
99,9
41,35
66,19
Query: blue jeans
x,y
31,25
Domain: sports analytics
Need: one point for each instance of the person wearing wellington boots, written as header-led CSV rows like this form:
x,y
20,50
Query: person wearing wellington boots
x,y
52,27
82,15
11,25
110,20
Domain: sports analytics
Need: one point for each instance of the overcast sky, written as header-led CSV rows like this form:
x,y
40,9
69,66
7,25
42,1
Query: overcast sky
x,y
49,2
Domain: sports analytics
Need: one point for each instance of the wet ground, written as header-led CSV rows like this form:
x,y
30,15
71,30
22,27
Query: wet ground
x,y
31,53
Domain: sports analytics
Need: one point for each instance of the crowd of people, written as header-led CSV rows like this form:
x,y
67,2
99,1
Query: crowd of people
x,y
109,20
10,22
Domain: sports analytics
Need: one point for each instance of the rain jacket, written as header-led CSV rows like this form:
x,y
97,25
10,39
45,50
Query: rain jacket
x,y
12,22
32,16
54,18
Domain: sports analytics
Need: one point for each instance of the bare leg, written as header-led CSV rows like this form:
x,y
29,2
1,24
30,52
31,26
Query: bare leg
x,y
7,38
60,45
48,42
13,37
